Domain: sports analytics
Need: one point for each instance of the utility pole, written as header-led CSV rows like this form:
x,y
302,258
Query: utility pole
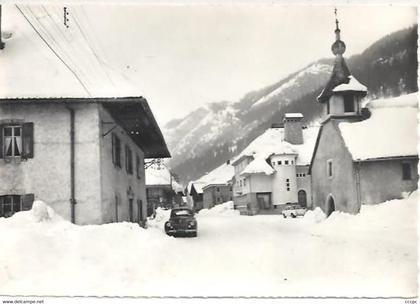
x,y
2,44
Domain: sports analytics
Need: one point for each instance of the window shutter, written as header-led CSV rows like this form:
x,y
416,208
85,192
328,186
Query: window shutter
x,y
27,200
28,140
113,148
1,141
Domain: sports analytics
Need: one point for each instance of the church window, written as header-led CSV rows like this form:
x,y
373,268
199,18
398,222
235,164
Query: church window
x,y
348,103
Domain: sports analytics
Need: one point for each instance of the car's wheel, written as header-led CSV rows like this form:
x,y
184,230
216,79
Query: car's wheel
x,y
284,216
293,215
194,234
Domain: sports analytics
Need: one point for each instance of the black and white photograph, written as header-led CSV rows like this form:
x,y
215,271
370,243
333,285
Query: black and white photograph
x,y
219,150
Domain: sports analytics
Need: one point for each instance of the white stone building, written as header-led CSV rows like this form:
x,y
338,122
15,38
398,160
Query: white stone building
x,y
273,170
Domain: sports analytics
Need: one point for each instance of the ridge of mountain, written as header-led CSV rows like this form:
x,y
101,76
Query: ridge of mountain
x,y
213,133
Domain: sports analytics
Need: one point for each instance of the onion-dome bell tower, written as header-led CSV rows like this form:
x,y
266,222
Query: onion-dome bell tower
x,y
343,93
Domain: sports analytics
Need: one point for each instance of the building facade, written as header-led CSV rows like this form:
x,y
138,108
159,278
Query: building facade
x,y
83,156
215,194
273,170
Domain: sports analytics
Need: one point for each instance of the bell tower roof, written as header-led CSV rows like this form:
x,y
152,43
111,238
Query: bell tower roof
x,y
341,73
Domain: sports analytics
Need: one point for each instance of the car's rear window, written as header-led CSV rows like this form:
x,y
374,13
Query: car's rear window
x,y
181,213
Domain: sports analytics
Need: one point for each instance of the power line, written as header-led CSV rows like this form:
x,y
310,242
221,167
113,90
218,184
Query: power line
x,y
90,45
54,52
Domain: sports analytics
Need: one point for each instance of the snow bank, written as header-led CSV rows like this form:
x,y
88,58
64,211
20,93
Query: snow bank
x,y
370,254
315,216
225,209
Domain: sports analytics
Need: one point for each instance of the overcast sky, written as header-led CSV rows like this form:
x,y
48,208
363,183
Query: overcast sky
x,y
181,57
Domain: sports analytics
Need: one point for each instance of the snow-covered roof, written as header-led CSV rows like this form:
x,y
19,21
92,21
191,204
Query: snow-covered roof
x,y
293,115
272,142
352,85
198,186
219,176
391,131
155,176
43,58
258,165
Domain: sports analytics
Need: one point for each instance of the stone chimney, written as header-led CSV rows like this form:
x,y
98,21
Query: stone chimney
x,y
1,42
293,128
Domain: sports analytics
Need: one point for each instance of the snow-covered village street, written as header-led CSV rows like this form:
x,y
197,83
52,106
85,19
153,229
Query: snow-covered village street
x,y
209,151
367,254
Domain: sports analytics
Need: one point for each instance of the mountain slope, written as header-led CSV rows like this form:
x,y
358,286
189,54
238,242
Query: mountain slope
x,y
216,132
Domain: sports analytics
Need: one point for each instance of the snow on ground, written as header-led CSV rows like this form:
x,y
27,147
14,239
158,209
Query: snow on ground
x,y
369,254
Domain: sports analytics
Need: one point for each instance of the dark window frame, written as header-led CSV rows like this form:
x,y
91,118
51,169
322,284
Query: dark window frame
x,y
128,159
348,104
116,150
406,171
24,141
138,167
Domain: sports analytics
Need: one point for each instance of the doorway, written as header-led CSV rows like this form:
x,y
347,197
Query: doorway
x,y
264,200
330,205
130,209
302,198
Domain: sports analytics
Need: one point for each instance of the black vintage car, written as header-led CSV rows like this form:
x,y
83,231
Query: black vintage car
x,y
181,222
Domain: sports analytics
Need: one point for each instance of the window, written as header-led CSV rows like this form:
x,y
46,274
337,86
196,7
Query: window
x,y
240,183
279,162
128,160
348,103
10,204
292,162
217,189
286,162
116,151
230,188
12,141
138,167
406,171
329,168
16,141
244,182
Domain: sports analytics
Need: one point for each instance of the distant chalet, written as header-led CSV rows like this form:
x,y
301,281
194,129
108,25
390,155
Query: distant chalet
x,y
83,156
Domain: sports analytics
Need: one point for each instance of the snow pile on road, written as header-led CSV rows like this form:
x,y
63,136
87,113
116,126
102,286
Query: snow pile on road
x,y
315,216
382,216
225,209
370,254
